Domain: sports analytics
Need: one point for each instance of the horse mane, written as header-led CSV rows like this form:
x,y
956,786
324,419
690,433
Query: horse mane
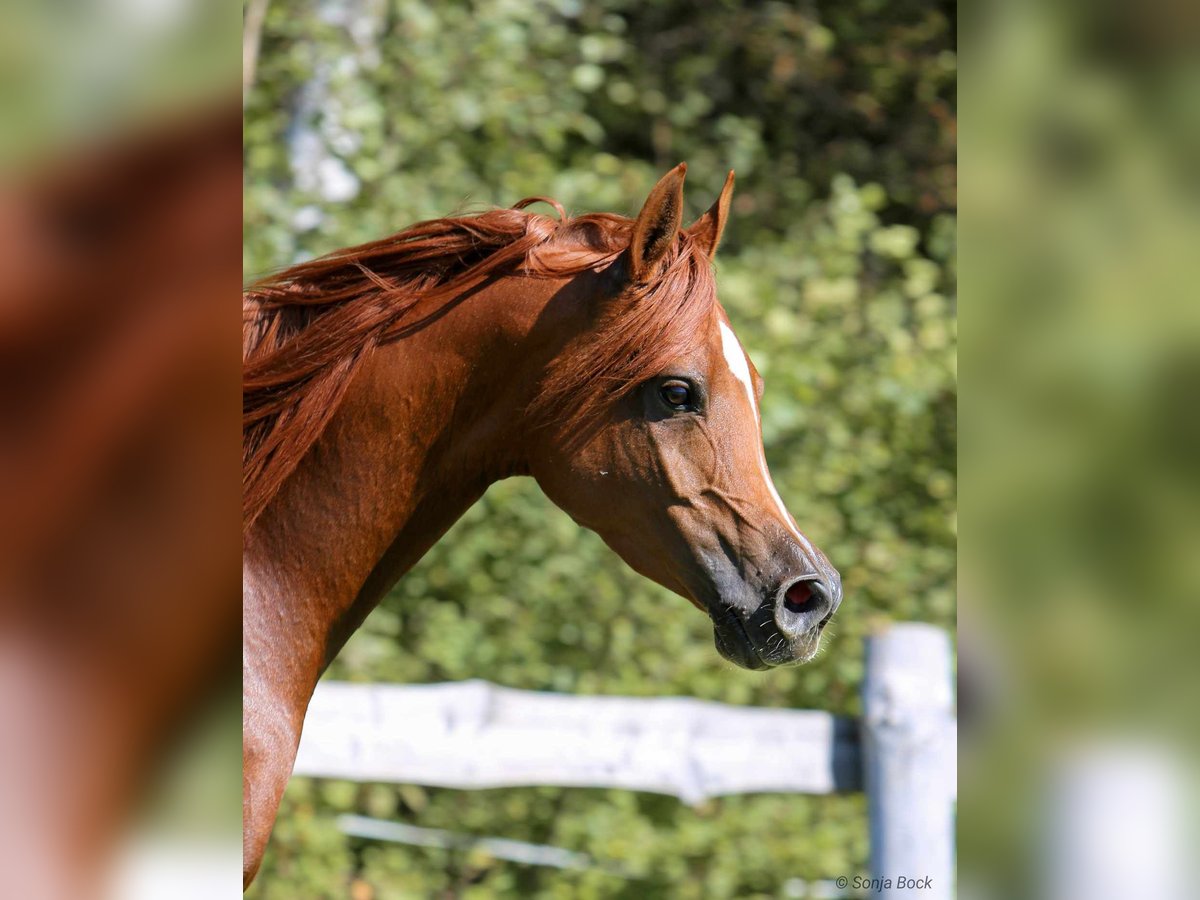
x,y
308,329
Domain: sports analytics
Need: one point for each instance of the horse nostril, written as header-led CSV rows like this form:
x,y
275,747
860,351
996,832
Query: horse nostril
x,y
805,604
800,597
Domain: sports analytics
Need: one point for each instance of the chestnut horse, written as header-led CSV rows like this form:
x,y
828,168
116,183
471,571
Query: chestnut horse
x,y
386,386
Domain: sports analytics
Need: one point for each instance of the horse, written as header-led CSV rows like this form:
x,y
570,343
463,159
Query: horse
x,y
385,386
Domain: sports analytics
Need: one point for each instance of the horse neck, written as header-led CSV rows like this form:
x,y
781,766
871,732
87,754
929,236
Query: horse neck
x,y
427,424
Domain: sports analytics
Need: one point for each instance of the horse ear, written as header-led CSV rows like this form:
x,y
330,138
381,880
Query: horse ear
x,y
657,224
706,230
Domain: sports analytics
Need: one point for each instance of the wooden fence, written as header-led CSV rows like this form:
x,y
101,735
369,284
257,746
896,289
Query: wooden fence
x,y
478,735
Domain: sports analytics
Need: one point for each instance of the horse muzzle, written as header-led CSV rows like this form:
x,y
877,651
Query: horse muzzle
x,y
778,626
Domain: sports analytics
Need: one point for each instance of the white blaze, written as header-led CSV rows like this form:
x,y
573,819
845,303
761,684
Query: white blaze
x,y
735,356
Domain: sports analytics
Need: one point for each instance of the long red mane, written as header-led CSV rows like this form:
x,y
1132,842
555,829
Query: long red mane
x,y
308,329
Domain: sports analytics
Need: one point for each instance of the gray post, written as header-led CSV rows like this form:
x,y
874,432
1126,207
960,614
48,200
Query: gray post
x,y
908,702
1117,824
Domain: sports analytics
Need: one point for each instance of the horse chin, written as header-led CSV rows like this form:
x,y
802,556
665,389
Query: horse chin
x,y
738,650
802,651
734,644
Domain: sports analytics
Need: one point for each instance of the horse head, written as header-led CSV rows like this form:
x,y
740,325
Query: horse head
x,y
670,470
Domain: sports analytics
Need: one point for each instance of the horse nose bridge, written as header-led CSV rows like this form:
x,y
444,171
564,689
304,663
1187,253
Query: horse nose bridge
x,y
769,506
798,555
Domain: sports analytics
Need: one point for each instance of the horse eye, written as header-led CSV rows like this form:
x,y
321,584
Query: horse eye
x,y
676,394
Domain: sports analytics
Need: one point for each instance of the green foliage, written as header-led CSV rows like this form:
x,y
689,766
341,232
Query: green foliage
x,y
838,272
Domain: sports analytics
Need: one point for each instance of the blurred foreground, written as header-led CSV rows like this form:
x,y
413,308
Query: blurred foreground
x,y
119,223
1080,569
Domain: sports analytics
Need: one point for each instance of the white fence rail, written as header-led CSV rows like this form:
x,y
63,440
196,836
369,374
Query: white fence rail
x,y
477,735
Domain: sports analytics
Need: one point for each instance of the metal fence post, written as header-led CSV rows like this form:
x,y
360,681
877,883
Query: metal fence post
x,y
908,701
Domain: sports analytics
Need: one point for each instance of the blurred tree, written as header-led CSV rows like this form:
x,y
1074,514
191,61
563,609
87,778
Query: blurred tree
x,y
838,272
